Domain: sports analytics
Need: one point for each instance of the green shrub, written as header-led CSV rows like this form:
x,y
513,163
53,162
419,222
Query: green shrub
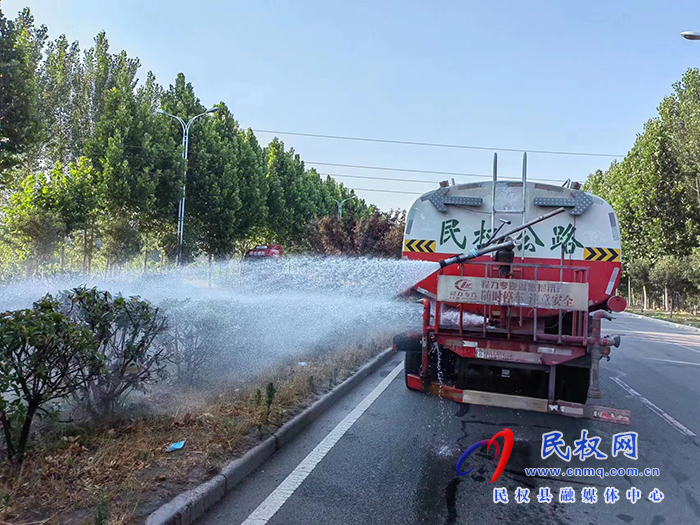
x,y
43,356
125,331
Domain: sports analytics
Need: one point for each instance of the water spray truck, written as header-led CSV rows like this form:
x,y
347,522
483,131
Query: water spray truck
x,y
526,273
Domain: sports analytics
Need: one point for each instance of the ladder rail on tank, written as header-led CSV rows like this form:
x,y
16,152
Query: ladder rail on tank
x,y
523,213
494,210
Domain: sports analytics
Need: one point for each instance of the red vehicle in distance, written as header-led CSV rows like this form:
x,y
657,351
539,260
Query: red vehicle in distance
x,y
264,252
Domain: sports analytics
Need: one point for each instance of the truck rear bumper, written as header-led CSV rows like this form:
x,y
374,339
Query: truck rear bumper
x,y
564,408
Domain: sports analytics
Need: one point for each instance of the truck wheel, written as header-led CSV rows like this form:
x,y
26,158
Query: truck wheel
x,y
411,362
572,384
413,352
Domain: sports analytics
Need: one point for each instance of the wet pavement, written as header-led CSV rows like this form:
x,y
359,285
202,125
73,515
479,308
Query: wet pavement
x,y
396,463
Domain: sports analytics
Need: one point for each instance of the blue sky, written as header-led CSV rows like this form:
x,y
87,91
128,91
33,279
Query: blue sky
x,y
544,75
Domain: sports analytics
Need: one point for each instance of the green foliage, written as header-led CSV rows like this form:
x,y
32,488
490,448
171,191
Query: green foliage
x,y
34,228
20,47
655,190
671,282
270,392
258,397
88,168
123,241
102,513
43,356
214,187
668,272
125,331
639,270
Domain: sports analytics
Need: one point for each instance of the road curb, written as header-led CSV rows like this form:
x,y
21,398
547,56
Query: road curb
x,y
189,506
677,325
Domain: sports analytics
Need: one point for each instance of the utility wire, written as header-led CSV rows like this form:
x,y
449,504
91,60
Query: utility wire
x,y
387,191
429,172
435,144
378,178
193,164
406,170
414,180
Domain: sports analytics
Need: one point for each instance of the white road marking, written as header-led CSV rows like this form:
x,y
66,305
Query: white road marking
x,y
284,490
672,361
688,348
651,406
632,332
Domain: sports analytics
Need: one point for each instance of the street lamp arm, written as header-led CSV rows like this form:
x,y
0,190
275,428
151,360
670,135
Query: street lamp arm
x,y
207,112
182,122
691,35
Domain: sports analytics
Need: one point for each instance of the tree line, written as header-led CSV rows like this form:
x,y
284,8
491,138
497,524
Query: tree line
x,y
655,191
91,176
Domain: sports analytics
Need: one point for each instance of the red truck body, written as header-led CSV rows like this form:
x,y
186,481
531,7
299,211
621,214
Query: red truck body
x,y
519,327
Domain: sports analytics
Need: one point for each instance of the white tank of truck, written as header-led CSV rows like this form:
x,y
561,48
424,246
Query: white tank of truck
x,y
455,219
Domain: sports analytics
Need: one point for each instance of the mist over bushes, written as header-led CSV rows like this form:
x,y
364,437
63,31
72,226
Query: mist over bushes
x,y
173,332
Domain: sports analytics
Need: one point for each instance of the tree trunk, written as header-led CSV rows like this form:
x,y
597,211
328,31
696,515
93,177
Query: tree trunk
x,y
666,298
644,297
24,434
630,297
90,248
145,256
8,436
85,250
63,255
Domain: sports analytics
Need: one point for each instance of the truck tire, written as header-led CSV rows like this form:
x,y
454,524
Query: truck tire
x,y
411,363
572,384
413,353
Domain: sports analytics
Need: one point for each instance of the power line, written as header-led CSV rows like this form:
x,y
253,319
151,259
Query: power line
x,y
435,144
378,178
414,180
388,191
406,170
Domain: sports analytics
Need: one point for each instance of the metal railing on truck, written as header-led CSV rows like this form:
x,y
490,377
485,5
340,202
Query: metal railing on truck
x,y
578,275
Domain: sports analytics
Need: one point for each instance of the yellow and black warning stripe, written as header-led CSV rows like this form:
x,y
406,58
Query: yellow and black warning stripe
x,y
417,245
602,254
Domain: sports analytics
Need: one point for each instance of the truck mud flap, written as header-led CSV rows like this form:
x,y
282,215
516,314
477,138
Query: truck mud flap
x,y
564,408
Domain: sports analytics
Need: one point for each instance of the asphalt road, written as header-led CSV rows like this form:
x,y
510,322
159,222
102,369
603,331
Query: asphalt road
x,y
396,462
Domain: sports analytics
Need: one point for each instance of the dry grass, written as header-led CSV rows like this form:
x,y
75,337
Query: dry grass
x,y
119,473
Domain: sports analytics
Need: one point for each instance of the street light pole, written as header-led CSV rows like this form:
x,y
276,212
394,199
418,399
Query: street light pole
x,y
340,206
185,148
